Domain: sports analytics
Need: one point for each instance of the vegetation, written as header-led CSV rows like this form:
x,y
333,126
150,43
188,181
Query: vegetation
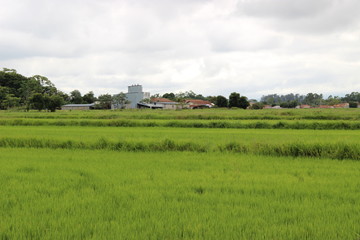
x,y
97,194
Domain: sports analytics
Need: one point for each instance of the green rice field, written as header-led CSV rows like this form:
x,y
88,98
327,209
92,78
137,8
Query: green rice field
x,y
178,175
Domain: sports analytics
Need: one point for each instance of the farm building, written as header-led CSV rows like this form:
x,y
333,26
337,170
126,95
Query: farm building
x,y
166,103
135,94
78,106
197,103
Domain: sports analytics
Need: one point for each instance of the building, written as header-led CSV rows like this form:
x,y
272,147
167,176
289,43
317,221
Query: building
x,y
78,106
342,105
135,94
166,103
197,103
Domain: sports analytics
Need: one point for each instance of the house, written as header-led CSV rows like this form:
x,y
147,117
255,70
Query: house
x,y
197,103
267,107
342,105
325,106
166,103
78,106
135,95
305,106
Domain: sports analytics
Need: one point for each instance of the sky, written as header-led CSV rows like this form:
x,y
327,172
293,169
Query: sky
x,y
212,47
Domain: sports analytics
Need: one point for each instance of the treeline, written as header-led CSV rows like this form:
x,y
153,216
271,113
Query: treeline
x,y
234,100
313,99
38,92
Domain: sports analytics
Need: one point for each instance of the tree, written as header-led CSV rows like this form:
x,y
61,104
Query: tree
x,y
353,104
258,105
289,104
119,100
53,102
38,101
75,97
352,97
10,101
47,87
332,100
234,100
211,99
170,96
221,101
313,99
243,102
105,101
89,97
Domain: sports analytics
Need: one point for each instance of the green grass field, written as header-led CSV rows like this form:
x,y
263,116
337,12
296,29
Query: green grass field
x,y
76,180
71,194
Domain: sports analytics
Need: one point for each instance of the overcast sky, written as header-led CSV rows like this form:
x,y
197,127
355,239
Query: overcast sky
x,y
212,47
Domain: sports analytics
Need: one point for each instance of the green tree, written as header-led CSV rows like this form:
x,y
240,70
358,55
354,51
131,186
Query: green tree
x,y
10,101
53,102
119,100
258,105
352,97
75,97
105,101
234,100
38,101
170,96
353,104
313,99
89,97
243,102
221,101
47,87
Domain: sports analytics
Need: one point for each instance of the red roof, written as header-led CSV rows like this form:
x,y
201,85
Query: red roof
x,y
198,102
161,100
342,105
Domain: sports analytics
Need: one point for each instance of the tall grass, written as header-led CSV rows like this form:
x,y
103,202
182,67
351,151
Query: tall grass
x,y
82,194
200,114
243,124
294,149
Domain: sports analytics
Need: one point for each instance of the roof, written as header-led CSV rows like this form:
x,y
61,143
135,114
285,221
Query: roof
x,y
198,102
79,105
149,105
163,100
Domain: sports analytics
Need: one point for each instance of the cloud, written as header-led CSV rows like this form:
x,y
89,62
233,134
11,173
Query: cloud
x,y
213,47
306,16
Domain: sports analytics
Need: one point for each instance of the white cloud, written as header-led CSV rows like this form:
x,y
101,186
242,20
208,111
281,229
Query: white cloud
x,y
209,46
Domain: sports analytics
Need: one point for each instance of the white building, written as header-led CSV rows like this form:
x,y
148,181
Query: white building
x,y
135,94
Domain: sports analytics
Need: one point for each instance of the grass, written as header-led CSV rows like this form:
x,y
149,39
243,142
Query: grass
x,y
193,123
63,194
203,114
207,174
338,144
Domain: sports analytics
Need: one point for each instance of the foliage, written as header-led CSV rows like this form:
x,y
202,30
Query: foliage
x,y
175,195
119,100
352,97
313,99
38,101
75,97
353,104
105,101
258,105
243,102
221,101
89,97
170,96
291,104
53,102
234,100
